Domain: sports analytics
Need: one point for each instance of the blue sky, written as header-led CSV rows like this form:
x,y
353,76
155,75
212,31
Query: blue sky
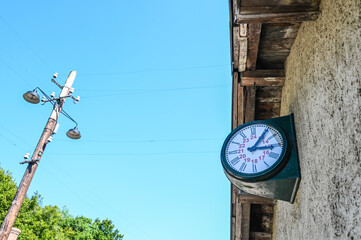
x,y
155,87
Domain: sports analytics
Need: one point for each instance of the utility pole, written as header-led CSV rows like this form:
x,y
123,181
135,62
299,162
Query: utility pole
x,y
35,159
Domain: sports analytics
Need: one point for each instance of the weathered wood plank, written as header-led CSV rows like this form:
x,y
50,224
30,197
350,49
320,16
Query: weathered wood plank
x,y
277,17
246,220
276,45
243,30
266,81
243,219
236,7
241,104
234,100
276,9
267,110
275,3
271,56
261,73
235,47
268,94
245,197
260,236
254,33
238,225
269,61
243,43
233,228
280,31
250,104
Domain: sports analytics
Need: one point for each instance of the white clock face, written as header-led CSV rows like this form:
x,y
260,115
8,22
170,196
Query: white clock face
x,y
254,149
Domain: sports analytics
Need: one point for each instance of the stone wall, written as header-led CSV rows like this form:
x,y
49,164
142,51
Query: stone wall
x,y
322,89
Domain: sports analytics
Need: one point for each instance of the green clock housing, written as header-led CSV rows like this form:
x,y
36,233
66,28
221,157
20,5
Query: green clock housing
x,y
261,158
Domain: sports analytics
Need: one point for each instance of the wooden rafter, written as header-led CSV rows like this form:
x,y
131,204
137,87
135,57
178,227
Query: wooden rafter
x,y
254,33
263,78
289,17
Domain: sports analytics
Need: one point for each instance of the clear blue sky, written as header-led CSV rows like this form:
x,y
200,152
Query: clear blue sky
x,y
155,86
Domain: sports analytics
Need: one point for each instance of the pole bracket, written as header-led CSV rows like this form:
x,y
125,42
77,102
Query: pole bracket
x,y
31,161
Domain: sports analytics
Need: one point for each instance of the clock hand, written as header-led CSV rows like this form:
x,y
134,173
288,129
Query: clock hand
x,y
251,149
263,147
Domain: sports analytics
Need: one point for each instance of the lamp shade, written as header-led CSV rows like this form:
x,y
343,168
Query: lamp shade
x,y
73,133
32,97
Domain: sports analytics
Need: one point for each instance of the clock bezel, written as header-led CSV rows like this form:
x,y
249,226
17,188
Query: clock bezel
x,y
265,174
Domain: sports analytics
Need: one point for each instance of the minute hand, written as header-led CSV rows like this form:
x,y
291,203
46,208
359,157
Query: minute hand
x,y
253,148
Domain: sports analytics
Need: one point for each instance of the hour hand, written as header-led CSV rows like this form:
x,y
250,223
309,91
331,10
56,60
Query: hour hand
x,y
263,147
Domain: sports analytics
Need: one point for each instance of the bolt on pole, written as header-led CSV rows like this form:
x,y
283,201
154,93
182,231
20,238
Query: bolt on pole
x,y
38,153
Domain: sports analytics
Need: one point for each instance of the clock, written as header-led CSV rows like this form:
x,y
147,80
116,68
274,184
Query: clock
x,y
255,155
254,151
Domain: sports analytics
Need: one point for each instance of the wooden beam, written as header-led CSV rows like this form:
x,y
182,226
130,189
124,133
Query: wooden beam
x,y
248,10
261,236
243,43
254,33
245,197
250,104
263,82
243,211
263,78
277,17
236,7
264,73
243,30
235,46
235,82
241,104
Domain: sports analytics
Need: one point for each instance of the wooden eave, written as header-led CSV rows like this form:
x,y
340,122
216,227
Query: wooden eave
x,y
262,33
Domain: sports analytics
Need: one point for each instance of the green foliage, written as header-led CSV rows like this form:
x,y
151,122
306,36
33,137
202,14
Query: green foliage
x,y
51,222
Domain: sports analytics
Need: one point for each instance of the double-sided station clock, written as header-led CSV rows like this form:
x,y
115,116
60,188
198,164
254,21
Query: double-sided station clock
x,y
261,158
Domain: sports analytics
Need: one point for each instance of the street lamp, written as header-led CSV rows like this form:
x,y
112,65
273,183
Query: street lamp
x,y
73,133
32,96
46,137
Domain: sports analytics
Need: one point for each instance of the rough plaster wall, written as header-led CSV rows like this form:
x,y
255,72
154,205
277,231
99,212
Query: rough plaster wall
x,y
322,89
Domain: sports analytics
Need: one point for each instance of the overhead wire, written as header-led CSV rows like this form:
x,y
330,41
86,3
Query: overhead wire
x,y
151,140
158,90
14,71
97,196
157,69
26,44
52,174
130,154
14,135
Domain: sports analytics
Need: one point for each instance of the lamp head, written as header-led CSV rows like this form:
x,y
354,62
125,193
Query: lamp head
x,y
73,133
32,97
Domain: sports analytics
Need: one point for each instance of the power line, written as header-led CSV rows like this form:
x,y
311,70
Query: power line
x,y
156,90
131,154
14,135
158,69
25,43
99,198
12,142
21,66
150,140
75,181
14,71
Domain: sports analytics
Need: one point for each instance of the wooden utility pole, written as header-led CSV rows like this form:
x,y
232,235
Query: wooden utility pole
x,y
33,164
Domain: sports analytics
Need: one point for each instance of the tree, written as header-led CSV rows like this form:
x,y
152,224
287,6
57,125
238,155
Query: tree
x,y
51,222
